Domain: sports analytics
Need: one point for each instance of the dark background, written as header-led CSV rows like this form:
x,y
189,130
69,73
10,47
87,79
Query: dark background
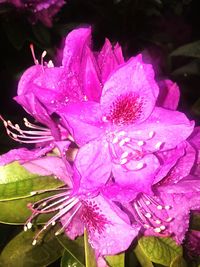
x,y
158,27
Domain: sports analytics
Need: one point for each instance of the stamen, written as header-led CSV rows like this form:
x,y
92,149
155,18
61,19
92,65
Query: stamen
x,y
150,214
33,54
39,134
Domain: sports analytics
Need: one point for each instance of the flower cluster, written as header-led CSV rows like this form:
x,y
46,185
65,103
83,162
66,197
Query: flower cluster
x,y
128,158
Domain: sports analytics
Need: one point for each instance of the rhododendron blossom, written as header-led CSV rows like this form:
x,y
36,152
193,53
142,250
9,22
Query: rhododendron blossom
x,y
126,127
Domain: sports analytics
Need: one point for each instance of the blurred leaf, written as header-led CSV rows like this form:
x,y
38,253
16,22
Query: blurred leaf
x,y
116,260
42,34
16,182
188,50
16,211
192,68
16,32
68,260
142,258
196,107
162,250
90,259
75,248
178,262
20,252
195,222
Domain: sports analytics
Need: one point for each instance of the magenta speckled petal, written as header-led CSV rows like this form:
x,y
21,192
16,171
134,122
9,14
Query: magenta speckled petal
x,y
108,227
131,86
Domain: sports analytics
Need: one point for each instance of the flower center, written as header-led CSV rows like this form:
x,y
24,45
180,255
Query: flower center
x,y
125,110
92,217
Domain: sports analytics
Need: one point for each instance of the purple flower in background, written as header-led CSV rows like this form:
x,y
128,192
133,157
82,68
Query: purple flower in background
x,y
42,10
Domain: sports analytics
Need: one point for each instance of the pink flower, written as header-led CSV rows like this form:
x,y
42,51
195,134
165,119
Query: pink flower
x,y
79,77
122,132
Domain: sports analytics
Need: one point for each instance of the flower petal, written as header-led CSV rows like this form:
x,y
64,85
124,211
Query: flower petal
x,y
168,159
84,120
169,95
74,44
23,154
133,80
94,166
159,131
108,227
107,60
32,105
140,179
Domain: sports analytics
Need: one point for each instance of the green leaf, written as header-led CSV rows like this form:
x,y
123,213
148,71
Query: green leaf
x,y
142,258
192,68
116,260
16,211
20,252
68,260
90,259
178,262
16,182
75,248
162,250
42,34
188,50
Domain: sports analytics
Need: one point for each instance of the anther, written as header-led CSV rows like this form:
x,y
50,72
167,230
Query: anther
x,y
158,145
123,161
125,154
151,134
162,227
158,222
25,228
34,242
140,143
29,225
159,207
115,140
148,215
167,207
157,230
140,166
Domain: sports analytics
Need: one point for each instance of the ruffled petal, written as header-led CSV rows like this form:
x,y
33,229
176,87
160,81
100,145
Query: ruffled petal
x,y
74,44
84,120
93,165
131,90
138,174
159,131
107,60
169,95
23,154
89,76
168,159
